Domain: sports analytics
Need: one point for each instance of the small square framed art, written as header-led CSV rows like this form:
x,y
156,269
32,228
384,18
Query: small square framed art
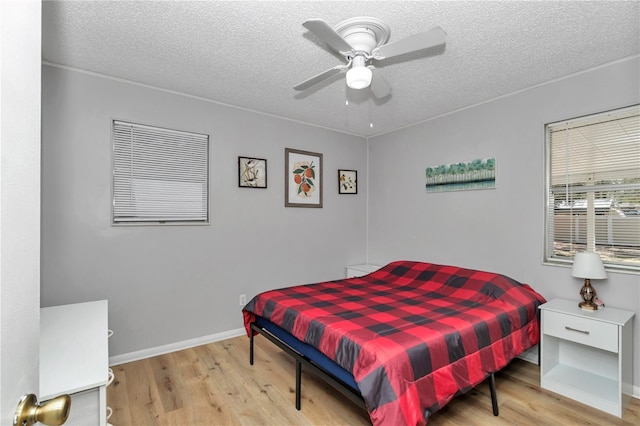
x,y
347,182
252,172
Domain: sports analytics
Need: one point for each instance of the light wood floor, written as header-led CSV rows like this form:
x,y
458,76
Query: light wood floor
x,y
215,385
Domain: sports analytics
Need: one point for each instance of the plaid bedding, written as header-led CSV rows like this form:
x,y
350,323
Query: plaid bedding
x,y
413,334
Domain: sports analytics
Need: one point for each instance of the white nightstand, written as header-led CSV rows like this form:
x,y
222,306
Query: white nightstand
x,y
587,355
74,359
360,270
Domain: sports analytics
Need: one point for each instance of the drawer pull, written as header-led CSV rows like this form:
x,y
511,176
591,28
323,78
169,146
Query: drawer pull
x,y
575,329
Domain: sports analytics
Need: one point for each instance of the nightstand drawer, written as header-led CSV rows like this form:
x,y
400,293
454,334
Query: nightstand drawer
x,y
588,332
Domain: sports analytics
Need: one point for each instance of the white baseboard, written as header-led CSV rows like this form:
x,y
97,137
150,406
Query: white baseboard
x,y
177,346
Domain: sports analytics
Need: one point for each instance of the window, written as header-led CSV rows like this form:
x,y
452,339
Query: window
x,y
159,175
593,188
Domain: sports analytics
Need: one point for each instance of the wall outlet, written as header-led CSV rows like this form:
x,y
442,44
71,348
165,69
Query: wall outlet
x,y
243,299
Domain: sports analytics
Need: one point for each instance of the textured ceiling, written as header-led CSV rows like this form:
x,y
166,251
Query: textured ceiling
x,y
250,54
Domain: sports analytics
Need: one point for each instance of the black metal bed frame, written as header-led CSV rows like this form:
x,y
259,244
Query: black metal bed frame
x,y
336,383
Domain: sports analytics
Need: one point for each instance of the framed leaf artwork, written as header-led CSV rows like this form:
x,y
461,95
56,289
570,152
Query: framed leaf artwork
x,y
302,178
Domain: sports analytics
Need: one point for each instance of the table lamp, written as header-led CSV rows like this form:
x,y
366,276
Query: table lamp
x,y
588,265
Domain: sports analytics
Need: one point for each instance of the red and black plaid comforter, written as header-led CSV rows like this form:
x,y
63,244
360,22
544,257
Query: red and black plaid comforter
x,y
413,334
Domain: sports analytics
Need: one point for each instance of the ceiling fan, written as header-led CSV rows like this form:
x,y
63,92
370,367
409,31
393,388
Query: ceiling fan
x,y
361,40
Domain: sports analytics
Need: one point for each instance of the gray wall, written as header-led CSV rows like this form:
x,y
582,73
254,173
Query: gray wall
x,y
168,284
499,230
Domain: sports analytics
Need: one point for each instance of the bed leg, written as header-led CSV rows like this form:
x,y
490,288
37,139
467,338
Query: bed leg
x,y
538,313
251,348
298,383
494,399
539,352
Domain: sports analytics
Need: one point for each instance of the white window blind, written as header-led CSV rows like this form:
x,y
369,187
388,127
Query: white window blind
x,y
593,177
159,175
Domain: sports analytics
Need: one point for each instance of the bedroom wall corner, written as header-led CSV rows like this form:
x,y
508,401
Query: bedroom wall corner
x,y
172,284
501,229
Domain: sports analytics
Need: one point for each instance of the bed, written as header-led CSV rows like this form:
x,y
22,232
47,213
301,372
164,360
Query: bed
x,y
403,340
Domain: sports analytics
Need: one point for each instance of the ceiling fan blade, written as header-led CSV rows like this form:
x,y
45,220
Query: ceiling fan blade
x,y
379,86
327,34
320,77
433,37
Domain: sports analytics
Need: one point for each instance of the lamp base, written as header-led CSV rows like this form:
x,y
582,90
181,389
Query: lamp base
x,y
588,306
588,294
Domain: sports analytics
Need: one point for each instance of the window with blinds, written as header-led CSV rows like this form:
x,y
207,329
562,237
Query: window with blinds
x,y
159,175
593,184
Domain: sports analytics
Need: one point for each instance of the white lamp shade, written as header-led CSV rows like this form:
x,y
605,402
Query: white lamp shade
x,y
588,265
359,77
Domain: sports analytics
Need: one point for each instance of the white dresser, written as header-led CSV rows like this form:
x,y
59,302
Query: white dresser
x,y
360,270
587,355
74,359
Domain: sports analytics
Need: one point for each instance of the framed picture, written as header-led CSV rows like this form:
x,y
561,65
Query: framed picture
x,y
465,175
347,182
302,178
252,172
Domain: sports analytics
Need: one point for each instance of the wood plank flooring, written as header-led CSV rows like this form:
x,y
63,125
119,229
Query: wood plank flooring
x,y
215,385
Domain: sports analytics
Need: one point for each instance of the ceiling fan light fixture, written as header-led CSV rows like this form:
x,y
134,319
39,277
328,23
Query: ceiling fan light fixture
x,y
360,40
359,76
